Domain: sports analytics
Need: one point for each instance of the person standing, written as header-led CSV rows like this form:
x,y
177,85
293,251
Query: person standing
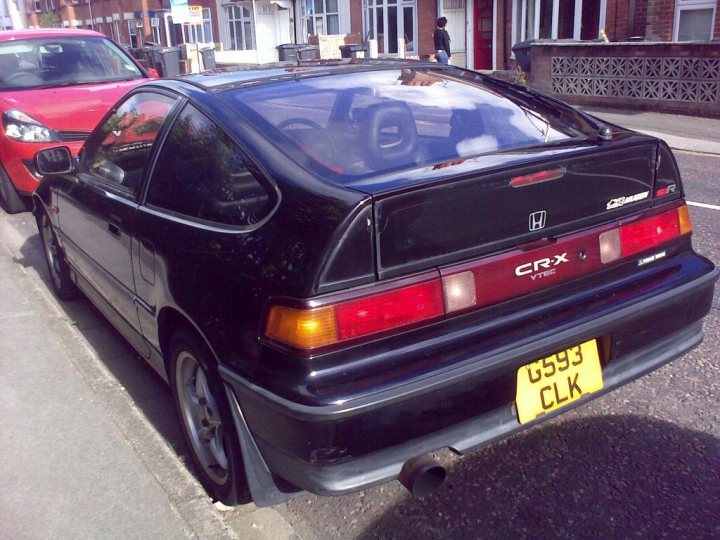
x,y
442,41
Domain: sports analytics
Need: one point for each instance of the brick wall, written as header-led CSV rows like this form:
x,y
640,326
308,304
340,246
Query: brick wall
x,y
673,77
427,16
356,18
638,26
659,22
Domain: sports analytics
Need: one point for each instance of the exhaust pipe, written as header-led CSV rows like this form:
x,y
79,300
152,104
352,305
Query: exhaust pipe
x,y
422,475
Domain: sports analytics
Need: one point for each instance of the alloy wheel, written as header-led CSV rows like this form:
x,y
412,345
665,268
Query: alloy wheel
x,y
201,416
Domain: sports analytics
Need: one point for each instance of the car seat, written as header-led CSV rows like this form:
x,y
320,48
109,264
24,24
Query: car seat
x,y
389,133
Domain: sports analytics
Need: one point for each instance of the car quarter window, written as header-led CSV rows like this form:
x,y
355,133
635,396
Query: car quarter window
x,y
118,150
201,173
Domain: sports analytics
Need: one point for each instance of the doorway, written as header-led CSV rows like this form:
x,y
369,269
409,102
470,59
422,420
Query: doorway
x,y
483,34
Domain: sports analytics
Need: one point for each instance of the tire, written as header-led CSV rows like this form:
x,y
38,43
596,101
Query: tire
x,y
57,265
206,420
11,201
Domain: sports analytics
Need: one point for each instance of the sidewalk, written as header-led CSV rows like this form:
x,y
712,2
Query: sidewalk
x,y
80,457
684,133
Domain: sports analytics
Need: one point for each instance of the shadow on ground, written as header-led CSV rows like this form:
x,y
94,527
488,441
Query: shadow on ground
x,y
606,477
147,390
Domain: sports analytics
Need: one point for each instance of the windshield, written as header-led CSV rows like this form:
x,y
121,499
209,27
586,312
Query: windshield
x,y
62,61
368,123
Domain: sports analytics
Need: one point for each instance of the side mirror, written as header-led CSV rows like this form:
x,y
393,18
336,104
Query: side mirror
x,y
56,160
153,73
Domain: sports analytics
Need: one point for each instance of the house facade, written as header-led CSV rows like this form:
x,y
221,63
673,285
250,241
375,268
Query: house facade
x,y
482,31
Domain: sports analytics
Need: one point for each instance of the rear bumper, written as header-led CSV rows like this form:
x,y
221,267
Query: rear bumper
x,y
447,407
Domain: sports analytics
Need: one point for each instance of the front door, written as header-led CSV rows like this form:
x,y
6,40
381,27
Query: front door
x,y
97,212
483,34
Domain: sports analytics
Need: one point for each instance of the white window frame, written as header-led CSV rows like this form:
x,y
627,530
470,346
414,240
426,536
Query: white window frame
x,y
692,5
242,19
155,27
315,17
195,33
521,6
400,5
133,31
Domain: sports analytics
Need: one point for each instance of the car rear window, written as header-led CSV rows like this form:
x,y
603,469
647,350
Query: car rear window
x,y
368,123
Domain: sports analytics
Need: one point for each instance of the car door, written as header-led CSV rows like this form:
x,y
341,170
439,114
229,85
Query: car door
x,y
97,213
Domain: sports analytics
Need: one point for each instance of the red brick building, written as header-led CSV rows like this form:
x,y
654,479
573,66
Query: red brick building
x,y
482,31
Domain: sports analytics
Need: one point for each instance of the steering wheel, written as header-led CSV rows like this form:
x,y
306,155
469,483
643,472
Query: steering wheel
x,y
22,78
317,144
297,121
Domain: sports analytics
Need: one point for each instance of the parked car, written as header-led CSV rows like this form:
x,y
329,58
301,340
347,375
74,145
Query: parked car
x,y
55,86
341,268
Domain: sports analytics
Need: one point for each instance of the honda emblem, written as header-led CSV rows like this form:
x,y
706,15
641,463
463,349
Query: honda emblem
x,y
537,220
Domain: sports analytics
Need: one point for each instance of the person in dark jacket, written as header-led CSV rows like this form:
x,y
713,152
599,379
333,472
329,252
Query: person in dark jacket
x,y
442,41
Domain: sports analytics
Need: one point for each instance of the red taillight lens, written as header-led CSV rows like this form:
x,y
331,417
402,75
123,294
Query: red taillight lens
x,y
644,234
389,310
314,328
648,233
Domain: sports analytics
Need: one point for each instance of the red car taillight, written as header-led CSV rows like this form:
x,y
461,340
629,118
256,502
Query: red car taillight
x,y
313,328
644,234
474,285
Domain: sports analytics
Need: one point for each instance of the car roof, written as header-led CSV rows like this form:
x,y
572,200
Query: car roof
x,y
227,78
38,33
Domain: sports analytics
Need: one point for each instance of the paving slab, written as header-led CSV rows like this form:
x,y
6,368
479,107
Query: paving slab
x,y
79,457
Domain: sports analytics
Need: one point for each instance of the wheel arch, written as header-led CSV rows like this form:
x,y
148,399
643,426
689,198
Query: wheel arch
x,y
170,320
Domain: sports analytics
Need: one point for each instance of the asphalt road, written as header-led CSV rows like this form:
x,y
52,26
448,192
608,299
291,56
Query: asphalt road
x,y
642,461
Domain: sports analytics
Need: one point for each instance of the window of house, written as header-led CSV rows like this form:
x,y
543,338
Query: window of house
x,y
116,153
694,20
388,20
321,17
201,173
132,30
207,26
155,26
557,19
199,33
240,28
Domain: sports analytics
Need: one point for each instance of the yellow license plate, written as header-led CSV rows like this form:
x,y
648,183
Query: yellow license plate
x,y
556,381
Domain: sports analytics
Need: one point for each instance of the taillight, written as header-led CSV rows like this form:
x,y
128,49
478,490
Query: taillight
x,y
432,296
644,234
393,309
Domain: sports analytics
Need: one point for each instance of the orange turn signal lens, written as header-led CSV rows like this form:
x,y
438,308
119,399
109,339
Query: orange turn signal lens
x,y
684,220
302,328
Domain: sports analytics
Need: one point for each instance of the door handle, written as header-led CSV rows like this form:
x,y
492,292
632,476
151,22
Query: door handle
x,y
114,229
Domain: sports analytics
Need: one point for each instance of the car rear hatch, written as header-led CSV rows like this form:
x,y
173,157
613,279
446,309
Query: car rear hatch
x,y
442,215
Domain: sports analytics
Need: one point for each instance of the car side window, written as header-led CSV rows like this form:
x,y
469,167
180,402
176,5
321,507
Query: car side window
x,y
203,174
118,150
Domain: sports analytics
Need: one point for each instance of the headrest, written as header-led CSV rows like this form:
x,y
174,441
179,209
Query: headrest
x,y
389,133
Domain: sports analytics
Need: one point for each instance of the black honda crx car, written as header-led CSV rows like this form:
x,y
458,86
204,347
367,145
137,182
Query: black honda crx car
x,y
341,268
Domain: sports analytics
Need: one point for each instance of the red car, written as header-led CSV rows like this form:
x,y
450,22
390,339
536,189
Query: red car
x,y
55,86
